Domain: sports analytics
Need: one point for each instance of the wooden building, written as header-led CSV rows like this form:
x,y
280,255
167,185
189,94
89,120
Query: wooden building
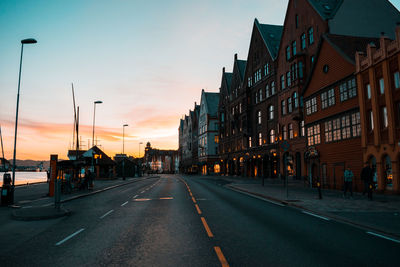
x,y
378,78
331,113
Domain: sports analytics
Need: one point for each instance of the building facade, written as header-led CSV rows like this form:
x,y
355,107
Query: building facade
x,y
208,133
378,78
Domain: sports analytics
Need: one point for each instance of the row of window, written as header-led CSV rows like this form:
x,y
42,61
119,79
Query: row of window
x,y
348,89
337,129
291,50
269,91
257,76
287,132
381,85
296,72
292,103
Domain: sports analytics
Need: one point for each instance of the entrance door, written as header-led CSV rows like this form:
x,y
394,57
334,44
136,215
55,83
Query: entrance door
x,y
338,171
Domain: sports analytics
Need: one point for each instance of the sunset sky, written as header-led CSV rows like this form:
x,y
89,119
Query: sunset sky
x,y
146,60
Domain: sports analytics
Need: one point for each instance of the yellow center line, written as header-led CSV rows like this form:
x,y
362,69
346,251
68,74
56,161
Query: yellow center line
x,y
194,200
198,209
208,230
221,257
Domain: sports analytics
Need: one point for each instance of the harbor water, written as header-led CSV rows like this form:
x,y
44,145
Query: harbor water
x,y
26,177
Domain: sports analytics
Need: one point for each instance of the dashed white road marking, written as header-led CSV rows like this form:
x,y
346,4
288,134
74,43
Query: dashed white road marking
x,y
106,214
135,196
315,215
70,236
384,237
142,191
123,204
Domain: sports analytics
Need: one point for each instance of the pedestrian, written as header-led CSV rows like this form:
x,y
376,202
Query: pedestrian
x,y
366,177
372,182
348,181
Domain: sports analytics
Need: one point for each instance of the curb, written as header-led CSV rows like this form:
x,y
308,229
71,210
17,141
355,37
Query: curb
x,y
41,213
330,216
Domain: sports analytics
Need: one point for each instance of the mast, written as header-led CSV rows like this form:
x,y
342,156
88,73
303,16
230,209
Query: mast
x,y
2,150
73,133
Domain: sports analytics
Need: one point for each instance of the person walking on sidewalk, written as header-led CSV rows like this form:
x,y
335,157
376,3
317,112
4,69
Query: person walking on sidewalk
x,y
372,183
366,177
348,181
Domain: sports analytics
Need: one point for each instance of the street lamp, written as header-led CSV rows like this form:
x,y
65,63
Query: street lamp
x,y
123,150
94,117
25,41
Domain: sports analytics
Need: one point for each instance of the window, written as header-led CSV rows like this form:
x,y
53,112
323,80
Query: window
x,y
303,41
311,106
287,52
294,52
283,107
295,100
368,91
284,132
249,82
396,78
356,124
348,89
346,127
291,131
381,86
240,107
260,95
336,129
272,88
256,97
297,21
313,135
328,131
267,93
265,70
303,129
300,69
328,98
289,104
384,117
260,139
288,80
271,112
272,136
312,60
371,120
249,141
282,82
311,36
259,117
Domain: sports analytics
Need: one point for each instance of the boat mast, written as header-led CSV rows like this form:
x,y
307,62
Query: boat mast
x,y
2,150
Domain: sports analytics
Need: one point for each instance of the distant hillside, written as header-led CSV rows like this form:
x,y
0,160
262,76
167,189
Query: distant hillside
x,y
31,163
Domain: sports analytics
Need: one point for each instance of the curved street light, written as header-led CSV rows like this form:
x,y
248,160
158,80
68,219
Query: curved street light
x,y
25,41
94,117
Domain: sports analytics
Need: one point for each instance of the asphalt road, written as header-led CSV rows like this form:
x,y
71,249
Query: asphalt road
x,y
189,221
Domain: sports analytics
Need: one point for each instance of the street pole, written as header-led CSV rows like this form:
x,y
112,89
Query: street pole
x,y
94,117
25,41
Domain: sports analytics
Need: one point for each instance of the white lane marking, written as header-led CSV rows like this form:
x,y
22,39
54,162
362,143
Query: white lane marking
x,y
142,191
46,205
135,196
123,204
70,236
384,237
315,215
142,199
260,198
27,207
106,214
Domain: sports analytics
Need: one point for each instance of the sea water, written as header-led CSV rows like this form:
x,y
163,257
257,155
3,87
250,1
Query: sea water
x,y
26,177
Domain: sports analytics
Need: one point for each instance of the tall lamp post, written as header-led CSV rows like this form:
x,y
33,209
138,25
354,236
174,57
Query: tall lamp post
x,y
139,162
123,150
139,148
94,117
25,41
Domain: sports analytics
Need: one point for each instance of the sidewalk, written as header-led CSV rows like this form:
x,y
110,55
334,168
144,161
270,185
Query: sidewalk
x,y
382,214
32,203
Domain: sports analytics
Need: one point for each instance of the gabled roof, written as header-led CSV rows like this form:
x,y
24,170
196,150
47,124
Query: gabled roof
x,y
347,46
212,101
228,79
326,8
271,35
242,67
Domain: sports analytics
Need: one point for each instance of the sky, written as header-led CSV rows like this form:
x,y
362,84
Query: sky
x,y
146,60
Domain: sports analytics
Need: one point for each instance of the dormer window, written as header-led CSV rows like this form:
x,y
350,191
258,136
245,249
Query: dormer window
x,y
287,52
297,21
311,36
